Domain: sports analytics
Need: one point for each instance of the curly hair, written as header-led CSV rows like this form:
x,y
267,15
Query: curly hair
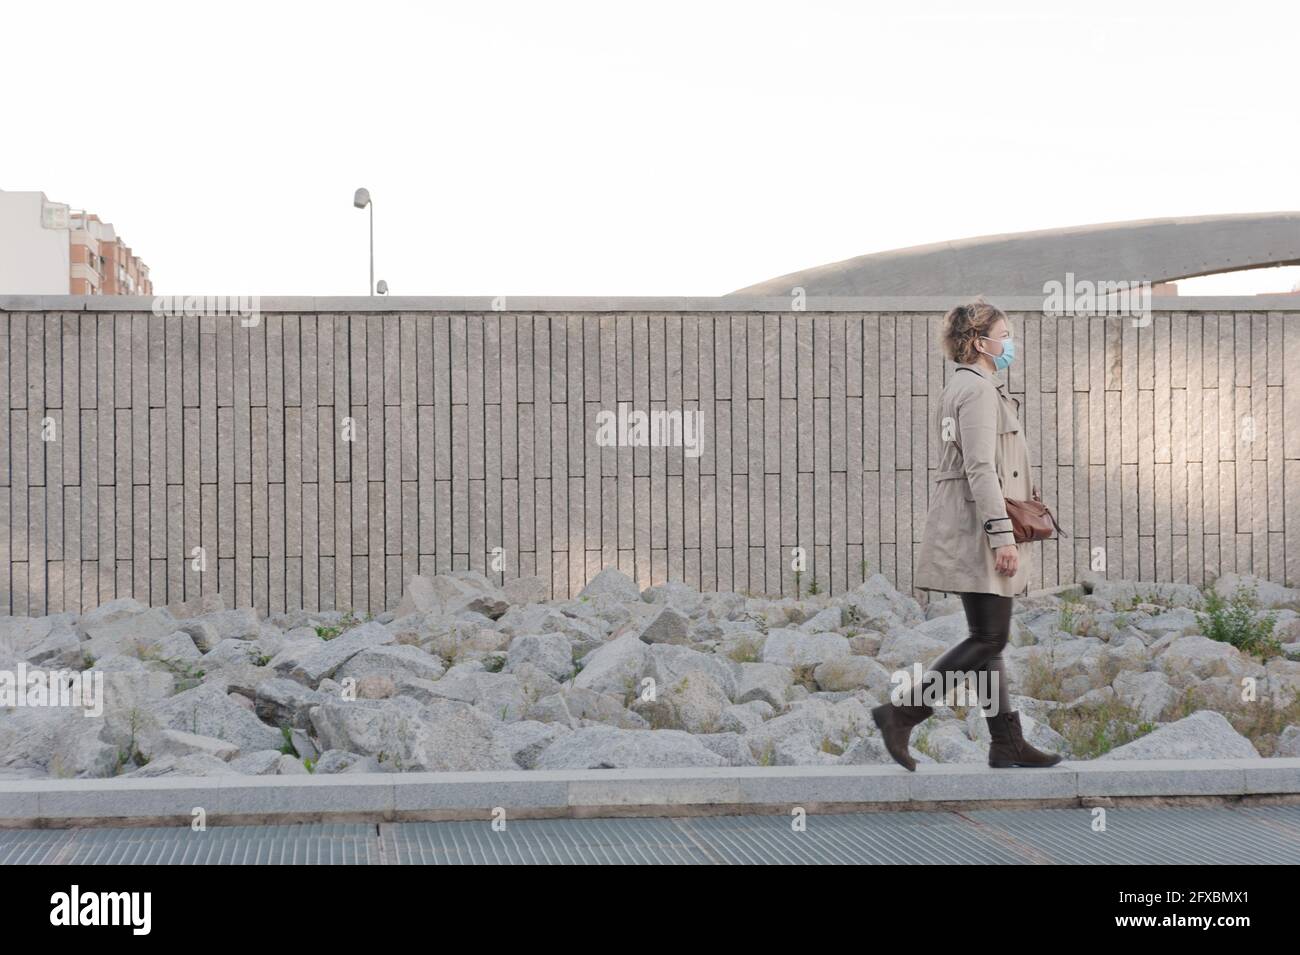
x,y
963,325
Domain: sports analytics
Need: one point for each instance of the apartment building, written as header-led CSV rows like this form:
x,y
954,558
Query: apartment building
x,y
48,248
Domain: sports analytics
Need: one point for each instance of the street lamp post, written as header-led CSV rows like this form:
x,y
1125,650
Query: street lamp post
x,y
362,199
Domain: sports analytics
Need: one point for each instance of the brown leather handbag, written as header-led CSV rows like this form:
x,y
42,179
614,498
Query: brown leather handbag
x,y
1031,520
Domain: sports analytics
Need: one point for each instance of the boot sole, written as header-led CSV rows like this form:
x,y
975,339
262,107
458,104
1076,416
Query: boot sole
x,y
1008,764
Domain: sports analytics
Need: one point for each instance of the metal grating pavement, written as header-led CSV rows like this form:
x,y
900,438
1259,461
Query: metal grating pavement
x,y
1133,836
309,844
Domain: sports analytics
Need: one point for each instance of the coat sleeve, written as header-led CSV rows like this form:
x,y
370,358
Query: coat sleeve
x,y
977,415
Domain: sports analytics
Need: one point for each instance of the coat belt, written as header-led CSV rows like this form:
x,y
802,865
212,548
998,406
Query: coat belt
x,y
949,475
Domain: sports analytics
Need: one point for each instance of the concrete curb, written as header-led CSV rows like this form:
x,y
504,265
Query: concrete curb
x,y
391,797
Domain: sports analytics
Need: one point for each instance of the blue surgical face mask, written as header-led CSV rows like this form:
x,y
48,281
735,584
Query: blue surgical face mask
x,y
1003,361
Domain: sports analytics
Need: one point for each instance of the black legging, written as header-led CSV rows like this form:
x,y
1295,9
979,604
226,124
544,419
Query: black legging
x,y
988,617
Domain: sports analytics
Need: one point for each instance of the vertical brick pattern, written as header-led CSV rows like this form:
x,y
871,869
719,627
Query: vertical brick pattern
x,y
318,461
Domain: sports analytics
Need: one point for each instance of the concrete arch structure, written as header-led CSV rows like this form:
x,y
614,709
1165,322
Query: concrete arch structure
x,y
1154,250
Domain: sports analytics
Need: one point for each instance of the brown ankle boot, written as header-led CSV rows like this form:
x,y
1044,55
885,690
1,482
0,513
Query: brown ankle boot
x,y
1008,747
896,724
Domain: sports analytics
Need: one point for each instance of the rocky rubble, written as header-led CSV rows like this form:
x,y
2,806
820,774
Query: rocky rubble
x,y
466,675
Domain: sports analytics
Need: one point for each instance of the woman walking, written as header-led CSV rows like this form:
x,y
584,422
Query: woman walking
x,y
968,547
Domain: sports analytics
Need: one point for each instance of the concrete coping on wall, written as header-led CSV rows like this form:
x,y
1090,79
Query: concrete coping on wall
x,y
387,797
637,304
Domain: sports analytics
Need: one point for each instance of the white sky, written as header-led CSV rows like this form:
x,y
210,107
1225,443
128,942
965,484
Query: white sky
x,y
637,149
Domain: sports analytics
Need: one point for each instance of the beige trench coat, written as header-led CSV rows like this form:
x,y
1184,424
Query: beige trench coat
x,y
985,459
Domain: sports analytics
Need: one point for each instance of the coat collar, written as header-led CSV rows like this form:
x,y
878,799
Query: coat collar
x,y
982,372
998,383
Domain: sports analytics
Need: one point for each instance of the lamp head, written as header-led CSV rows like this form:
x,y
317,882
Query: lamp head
x,y
381,287
361,199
